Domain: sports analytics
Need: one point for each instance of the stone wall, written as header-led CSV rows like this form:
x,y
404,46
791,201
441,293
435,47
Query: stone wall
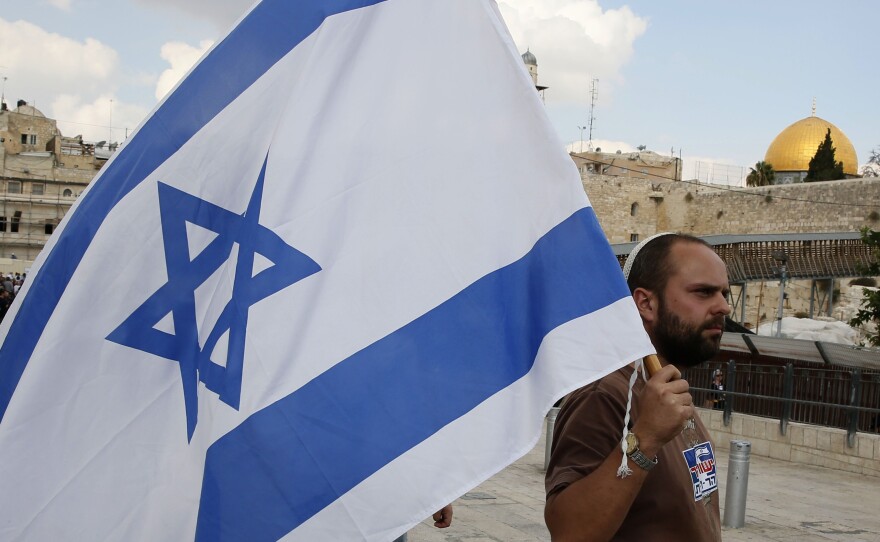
x,y
700,209
831,206
802,443
17,124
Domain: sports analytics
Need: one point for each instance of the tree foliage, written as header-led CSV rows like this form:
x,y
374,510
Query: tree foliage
x,y
823,166
869,309
761,175
872,168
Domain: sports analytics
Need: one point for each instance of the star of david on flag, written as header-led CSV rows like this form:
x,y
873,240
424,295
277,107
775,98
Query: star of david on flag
x,y
322,291
187,272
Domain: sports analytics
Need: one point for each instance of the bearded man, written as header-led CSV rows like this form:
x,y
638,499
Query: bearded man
x,y
680,288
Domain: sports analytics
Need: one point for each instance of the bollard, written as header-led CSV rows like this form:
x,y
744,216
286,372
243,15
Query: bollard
x,y
737,483
551,422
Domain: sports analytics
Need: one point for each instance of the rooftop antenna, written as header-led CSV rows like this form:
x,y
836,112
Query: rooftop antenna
x,y
594,95
110,128
3,92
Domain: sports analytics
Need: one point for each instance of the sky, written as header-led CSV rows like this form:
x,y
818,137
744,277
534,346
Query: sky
x,y
712,82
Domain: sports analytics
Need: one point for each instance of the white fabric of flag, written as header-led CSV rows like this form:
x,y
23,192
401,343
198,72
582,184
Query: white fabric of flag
x,y
333,282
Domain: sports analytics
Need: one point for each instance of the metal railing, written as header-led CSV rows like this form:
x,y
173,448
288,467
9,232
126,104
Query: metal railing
x,y
846,398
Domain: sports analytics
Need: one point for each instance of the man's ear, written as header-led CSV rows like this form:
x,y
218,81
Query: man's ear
x,y
646,302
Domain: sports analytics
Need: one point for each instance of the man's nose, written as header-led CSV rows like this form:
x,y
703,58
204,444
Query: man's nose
x,y
723,307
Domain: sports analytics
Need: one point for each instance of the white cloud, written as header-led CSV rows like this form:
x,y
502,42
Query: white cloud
x,y
35,59
93,119
69,80
63,5
574,41
222,14
181,57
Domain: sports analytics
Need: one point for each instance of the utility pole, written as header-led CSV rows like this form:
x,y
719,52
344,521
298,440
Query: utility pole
x,y
582,128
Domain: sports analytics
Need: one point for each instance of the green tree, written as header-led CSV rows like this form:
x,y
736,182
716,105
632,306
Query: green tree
x,y
869,309
761,175
872,168
823,166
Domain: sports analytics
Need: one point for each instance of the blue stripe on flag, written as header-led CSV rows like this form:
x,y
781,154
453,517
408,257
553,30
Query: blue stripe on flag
x,y
268,33
290,460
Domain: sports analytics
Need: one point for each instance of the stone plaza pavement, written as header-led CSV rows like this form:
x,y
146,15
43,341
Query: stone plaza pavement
x,y
786,502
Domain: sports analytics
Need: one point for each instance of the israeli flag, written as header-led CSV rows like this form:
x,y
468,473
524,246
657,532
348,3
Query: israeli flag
x,y
332,283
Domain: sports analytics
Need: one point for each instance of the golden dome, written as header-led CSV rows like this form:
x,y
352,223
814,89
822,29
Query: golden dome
x,y
796,145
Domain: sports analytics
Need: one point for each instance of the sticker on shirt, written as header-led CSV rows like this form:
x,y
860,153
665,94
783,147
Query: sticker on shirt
x,y
701,463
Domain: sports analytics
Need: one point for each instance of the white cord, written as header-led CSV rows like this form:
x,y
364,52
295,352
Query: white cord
x,y
623,471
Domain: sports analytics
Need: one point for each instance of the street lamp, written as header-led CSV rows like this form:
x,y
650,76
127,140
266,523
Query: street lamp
x,y
782,258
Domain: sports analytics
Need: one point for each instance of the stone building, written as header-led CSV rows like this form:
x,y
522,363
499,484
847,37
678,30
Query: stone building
x,y
41,174
642,164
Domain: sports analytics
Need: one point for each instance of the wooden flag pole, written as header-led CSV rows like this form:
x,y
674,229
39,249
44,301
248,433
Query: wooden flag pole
x,y
652,364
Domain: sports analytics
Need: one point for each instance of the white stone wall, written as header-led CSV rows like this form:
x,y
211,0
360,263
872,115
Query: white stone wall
x,y
802,443
831,206
701,209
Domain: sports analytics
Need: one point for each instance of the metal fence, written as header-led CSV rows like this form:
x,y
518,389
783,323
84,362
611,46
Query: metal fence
x,y
789,390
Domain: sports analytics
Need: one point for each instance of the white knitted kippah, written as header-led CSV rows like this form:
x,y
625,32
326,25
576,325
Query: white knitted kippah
x,y
627,267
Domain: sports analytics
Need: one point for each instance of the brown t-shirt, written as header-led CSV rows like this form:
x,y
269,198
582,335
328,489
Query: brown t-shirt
x,y
589,428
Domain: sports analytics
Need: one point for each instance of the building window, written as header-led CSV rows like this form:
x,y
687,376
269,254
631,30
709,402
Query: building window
x,y
16,218
37,189
633,209
28,139
49,228
633,238
67,193
13,187
2,223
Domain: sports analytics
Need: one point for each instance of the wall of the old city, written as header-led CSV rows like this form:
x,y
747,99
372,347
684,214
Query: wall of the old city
x,y
831,206
629,207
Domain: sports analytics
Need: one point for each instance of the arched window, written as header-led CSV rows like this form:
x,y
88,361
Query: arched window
x,y
67,193
633,209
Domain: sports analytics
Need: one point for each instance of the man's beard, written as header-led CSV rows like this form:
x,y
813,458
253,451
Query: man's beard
x,y
682,344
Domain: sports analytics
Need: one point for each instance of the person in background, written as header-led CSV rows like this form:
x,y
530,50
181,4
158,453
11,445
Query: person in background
x,y
718,387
